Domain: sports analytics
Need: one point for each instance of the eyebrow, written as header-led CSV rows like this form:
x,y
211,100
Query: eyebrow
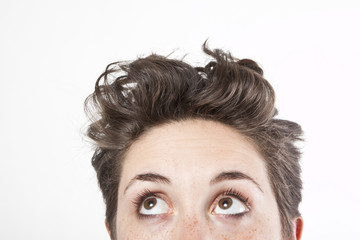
x,y
148,177
234,175
223,176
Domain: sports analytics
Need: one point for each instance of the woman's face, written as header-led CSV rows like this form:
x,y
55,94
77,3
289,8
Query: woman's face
x,y
195,179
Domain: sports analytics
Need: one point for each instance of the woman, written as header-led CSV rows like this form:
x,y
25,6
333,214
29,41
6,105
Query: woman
x,y
194,152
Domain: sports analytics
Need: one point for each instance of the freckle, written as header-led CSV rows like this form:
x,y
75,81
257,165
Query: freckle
x,y
250,234
211,230
224,237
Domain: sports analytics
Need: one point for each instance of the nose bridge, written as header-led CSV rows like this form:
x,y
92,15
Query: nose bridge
x,y
191,221
191,227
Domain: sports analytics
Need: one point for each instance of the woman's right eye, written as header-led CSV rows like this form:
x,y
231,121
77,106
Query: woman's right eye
x,y
154,206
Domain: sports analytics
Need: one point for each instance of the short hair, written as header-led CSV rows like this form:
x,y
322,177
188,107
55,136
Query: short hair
x,y
132,97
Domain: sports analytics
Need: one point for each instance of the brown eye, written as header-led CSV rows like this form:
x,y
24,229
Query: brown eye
x,y
225,203
150,203
229,205
154,206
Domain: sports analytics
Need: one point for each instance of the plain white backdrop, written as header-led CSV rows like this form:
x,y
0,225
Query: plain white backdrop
x,y
51,53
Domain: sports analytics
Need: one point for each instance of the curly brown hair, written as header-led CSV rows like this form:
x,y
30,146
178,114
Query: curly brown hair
x,y
132,97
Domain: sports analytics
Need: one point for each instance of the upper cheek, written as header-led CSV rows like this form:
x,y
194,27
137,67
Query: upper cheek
x,y
246,228
248,234
264,228
138,233
258,231
127,230
233,229
135,229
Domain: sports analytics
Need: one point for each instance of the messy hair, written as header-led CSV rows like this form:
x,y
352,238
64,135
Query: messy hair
x,y
133,97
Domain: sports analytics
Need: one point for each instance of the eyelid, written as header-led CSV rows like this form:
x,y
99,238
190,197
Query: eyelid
x,y
231,193
145,195
141,198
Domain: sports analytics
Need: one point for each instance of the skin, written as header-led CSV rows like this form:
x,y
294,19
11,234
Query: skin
x,y
190,154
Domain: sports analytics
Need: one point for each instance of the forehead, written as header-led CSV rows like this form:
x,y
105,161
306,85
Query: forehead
x,y
195,149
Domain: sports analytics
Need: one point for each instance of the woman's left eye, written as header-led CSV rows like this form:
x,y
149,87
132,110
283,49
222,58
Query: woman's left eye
x,y
229,205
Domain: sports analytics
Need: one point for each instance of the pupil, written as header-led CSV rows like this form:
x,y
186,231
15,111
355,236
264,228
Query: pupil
x,y
225,203
150,203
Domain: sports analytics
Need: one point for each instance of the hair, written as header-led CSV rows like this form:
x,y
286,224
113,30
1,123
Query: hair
x,y
132,97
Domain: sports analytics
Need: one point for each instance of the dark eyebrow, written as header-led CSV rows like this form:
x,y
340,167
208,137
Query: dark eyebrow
x,y
233,175
148,177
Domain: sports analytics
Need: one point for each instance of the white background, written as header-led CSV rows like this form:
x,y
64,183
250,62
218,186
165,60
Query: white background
x,y
51,53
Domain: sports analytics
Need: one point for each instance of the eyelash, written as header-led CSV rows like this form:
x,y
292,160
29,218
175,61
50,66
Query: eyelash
x,y
230,192
233,193
139,201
